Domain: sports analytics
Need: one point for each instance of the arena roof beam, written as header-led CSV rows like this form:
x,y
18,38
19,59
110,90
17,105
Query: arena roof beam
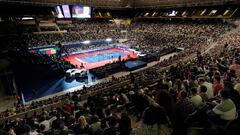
x,y
125,3
95,3
181,3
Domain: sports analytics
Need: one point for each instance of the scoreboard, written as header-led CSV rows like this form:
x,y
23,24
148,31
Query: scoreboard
x,y
73,11
45,51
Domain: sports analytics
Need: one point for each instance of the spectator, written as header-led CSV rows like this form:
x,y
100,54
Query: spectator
x,y
154,122
29,131
57,122
226,109
208,85
217,85
196,98
45,123
111,127
184,106
81,127
125,124
95,127
149,38
203,93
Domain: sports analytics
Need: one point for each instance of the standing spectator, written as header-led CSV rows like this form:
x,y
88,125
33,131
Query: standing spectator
x,y
217,85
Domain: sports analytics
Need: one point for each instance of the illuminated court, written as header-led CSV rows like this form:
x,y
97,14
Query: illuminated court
x,y
100,58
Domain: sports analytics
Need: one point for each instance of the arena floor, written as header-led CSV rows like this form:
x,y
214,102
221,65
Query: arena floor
x,y
44,88
49,87
96,59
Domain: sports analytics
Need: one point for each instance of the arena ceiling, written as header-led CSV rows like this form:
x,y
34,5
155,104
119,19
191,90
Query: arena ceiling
x,y
125,3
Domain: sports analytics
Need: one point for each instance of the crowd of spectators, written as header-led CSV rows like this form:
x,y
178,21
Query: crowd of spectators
x,y
32,40
154,43
232,40
150,37
80,26
200,91
200,94
77,31
145,36
199,29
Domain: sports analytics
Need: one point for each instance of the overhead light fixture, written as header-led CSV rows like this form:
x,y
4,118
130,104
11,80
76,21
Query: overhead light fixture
x,y
100,14
203,12
213,12
226,12
86,42
27,18
108,39
146,14
184,14
154,14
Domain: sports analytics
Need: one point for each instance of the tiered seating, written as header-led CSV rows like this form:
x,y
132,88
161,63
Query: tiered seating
x,y
174,97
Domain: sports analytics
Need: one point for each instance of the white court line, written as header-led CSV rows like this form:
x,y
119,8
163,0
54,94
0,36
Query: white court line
x,y
80,60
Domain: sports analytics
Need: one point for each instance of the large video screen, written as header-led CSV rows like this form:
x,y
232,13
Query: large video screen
x,y
81,12
66,11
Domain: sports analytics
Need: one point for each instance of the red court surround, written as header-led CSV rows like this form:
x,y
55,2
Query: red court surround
x,y
73,58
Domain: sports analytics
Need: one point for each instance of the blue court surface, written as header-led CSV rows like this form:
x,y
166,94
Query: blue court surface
x,y
102,56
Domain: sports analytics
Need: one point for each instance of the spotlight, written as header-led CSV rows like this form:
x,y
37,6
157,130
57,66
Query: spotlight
x,y
86,42
108,39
